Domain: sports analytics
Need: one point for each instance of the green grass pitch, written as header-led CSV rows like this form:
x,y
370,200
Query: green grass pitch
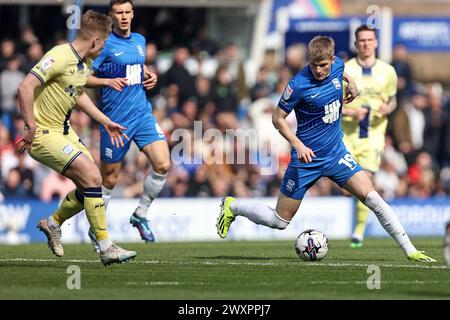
x,y
225,270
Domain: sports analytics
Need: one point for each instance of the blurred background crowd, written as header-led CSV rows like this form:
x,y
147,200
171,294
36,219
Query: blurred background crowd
x,y
201,80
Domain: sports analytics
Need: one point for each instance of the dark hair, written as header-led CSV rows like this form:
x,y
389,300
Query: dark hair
x,y
364,27
113,2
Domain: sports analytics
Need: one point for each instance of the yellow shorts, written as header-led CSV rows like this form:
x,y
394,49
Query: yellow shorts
x,y
57,150
367,152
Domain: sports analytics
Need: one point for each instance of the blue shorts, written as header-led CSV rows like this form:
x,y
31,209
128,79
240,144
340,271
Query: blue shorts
x,y
144,132
299,177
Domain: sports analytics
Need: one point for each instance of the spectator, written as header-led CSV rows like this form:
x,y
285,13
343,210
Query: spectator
x,y
10,79
203,44
7,50
262,88
404,73
13,186
179,75
55,187
34,54
225,97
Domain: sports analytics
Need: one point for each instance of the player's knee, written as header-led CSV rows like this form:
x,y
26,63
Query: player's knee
x,y
109,181
95,179
163,167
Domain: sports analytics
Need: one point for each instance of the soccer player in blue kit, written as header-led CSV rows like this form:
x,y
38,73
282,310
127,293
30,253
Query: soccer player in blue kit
x,y
315,94
121,72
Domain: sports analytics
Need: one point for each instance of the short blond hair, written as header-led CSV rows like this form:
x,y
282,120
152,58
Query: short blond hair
x,y
320,48
93,23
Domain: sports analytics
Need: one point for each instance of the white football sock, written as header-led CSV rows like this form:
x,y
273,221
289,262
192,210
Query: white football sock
x,y
389,221
105,244
258,213
153,184
106,195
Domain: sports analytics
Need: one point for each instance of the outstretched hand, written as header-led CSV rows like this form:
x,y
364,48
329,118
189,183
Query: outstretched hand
x,y
116,133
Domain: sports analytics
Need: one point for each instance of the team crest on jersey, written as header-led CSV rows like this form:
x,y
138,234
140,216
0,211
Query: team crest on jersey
x,y
141,51
68,149
336,83
290,185
47,63
287,93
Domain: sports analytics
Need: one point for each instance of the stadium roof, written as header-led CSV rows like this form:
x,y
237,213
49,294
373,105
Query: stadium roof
x,y
146,3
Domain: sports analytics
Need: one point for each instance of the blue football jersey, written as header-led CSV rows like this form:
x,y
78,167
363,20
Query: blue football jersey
x,y
318,108
123,57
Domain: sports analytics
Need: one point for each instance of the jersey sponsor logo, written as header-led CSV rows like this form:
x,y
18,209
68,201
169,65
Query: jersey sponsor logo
x,y
287,93
134,74
290,185
140,50
331,112
336,83
108,153
48,62
68,149
315,95
118,53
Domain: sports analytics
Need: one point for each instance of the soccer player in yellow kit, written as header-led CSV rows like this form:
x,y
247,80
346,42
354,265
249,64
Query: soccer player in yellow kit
x,y
364,120
46,98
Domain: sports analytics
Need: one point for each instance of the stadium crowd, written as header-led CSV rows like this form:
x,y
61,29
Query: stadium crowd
x,y
208,86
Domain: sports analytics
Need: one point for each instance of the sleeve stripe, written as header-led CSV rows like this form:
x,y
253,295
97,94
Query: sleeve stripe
x,y
37,76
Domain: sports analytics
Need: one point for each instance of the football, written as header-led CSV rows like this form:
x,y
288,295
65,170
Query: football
x,y
311,245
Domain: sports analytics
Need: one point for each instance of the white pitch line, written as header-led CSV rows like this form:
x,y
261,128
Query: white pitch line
x,y
261,264
407,282
153,283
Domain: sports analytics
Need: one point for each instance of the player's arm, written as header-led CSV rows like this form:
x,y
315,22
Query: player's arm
x,y
114,130
26,101
391,91
305,154
114,83
352,91
389,106
150,78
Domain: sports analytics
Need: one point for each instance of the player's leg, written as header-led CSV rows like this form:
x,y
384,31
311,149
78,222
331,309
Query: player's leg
x,y
257,212
361,150
110,160
368,155
95,208
57,152
110,173
361,187
158,155
110,166
293,188
152,142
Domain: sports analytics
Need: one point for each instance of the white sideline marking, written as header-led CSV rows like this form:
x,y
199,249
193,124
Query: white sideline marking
x,y
382,282
215,263
153,283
